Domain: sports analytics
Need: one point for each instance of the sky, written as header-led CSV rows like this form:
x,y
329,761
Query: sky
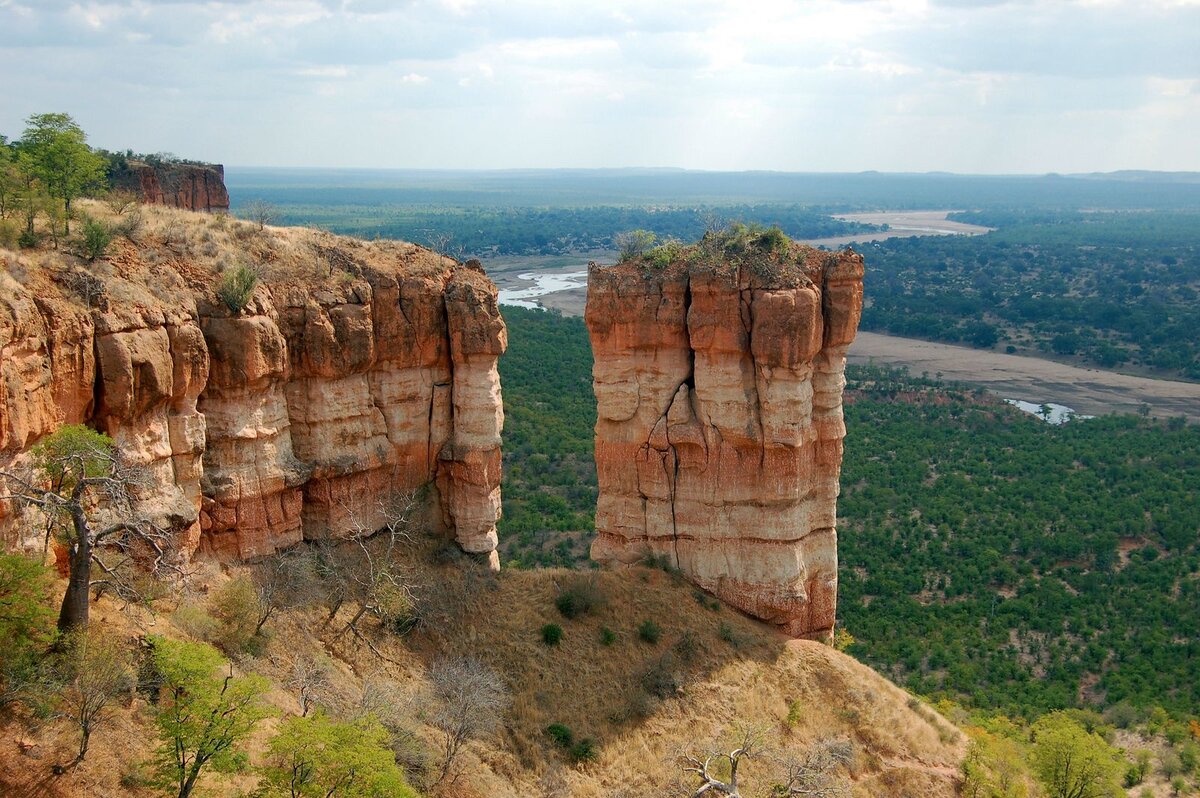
x,y
1027,86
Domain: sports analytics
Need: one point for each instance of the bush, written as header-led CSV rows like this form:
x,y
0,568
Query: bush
x,y
235,607
561,734
25,614
634,243
585,750
686,647
649,632
607,636
579,597
236,287
659,678
552,634
726,633
95,238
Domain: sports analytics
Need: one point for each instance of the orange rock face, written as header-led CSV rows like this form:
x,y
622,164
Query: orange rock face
x,y
289,420
194,187
719,431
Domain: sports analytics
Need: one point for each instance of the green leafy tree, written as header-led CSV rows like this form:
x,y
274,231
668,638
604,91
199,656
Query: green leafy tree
x,y
84,487
26,621
1070,762
55,150
202,716
319,757
25,612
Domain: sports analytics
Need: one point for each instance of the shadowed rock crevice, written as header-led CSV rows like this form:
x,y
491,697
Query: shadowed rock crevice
x,y
736,482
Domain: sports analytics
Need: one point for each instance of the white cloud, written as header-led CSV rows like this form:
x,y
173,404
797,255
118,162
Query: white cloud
x,y
1008,85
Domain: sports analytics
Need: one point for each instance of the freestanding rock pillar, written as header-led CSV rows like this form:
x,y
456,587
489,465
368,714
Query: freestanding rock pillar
x,y
718,377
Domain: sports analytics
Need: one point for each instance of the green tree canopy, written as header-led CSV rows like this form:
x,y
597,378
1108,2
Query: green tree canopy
x,y
54,149
202,716
1072,762
319,757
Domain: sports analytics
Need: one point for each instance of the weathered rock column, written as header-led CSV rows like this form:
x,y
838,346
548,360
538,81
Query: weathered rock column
x,y
719,432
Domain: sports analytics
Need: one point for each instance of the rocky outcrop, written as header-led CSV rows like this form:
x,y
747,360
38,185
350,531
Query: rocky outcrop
x,y
719,384
290,419
192,186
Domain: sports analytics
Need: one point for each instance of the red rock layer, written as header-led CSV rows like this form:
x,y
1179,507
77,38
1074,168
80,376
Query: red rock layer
x,y
194,187
719,431
289,420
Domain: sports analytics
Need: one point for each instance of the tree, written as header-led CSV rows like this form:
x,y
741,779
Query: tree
x,y
201,716
25,614
94,670
634,243
56,151
26,621
994,767
260,212
282,582
319,757
85,489
468,699
710,768
815,773
1073,763
369,574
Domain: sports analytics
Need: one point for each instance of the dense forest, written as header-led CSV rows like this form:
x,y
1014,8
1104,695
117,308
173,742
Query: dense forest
x,y
1111,289
986,556
470,231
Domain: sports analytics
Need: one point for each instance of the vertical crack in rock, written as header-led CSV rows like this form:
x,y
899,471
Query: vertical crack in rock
x,y
261,427
747,362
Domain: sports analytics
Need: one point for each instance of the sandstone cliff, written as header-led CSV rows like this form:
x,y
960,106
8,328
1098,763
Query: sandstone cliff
x,y
355,370
718,376
191,186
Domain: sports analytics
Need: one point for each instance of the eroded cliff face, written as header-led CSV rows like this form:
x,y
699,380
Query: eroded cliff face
x,y
719,434
371,372
191,186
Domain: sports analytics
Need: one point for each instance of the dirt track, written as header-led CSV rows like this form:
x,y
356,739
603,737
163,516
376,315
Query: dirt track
x,y
1089,391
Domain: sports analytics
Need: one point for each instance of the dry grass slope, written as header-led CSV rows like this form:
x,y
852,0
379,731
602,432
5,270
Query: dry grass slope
x,y
730,672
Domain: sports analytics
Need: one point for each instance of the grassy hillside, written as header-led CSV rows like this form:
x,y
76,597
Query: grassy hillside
x,y
709,673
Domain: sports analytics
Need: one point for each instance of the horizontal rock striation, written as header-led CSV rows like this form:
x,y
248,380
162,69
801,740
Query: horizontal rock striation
x,y
719,379
288,420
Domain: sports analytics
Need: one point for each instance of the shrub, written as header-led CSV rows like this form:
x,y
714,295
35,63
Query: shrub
x,y
607,636
634,243
649,632
726,633
842,639
235,607
686,647
659,678
794,714
552,634
579,597
94,238
236,287
561,734
585,750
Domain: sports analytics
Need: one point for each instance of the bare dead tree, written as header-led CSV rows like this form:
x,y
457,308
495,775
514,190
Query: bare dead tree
x,y
94,670
707,766
310,679
468,700
87,490
282,582
814,774
376,578
260,212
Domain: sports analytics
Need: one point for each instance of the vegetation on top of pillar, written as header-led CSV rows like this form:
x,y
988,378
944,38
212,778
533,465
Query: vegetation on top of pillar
x,y
766,253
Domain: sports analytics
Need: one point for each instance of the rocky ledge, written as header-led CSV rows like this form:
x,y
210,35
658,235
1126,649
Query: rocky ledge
x,y
354,371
